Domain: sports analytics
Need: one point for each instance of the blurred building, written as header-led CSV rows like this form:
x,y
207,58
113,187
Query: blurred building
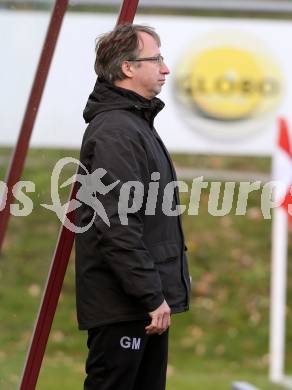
x,y
262,6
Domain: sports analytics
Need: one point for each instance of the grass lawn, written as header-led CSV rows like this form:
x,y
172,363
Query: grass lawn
x,y
224,337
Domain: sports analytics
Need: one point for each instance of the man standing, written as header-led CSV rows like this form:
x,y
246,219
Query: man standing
x,y
131,269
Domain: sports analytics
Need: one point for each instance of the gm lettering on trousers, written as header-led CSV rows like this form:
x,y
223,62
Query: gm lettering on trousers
x,y
130,343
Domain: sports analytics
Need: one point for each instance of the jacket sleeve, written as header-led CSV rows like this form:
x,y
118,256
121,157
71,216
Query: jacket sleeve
x,y
123,157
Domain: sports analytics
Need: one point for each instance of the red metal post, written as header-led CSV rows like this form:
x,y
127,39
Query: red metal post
x,y
17,162
127,11
48,305
57,271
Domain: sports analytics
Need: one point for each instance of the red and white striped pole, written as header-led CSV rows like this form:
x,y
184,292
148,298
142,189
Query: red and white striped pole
x,y
58,270
282,172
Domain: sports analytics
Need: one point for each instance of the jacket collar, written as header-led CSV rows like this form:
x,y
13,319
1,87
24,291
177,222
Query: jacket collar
x,y
107,97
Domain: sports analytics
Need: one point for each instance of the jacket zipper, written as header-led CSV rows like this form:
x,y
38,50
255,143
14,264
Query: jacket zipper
x,y
174,177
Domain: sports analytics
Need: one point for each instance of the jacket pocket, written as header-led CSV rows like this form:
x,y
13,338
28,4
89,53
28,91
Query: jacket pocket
x,y
165,252
168,262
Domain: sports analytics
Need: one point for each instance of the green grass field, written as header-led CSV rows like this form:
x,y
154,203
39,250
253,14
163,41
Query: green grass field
x,y
224,337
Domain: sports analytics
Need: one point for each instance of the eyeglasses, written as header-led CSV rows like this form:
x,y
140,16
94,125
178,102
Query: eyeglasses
x,y
158,59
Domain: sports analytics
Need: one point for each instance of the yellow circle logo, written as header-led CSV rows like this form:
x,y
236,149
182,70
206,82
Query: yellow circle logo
x,y
229,80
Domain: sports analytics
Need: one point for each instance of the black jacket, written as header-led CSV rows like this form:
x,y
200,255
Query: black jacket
x,y
124,271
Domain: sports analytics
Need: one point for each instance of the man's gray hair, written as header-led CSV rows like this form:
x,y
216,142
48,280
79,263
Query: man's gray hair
x,y
115,47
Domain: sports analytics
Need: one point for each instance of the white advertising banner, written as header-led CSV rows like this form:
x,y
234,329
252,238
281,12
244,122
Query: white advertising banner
x,y
230,80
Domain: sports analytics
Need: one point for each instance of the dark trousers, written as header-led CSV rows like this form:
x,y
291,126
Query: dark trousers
x,y
122,357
